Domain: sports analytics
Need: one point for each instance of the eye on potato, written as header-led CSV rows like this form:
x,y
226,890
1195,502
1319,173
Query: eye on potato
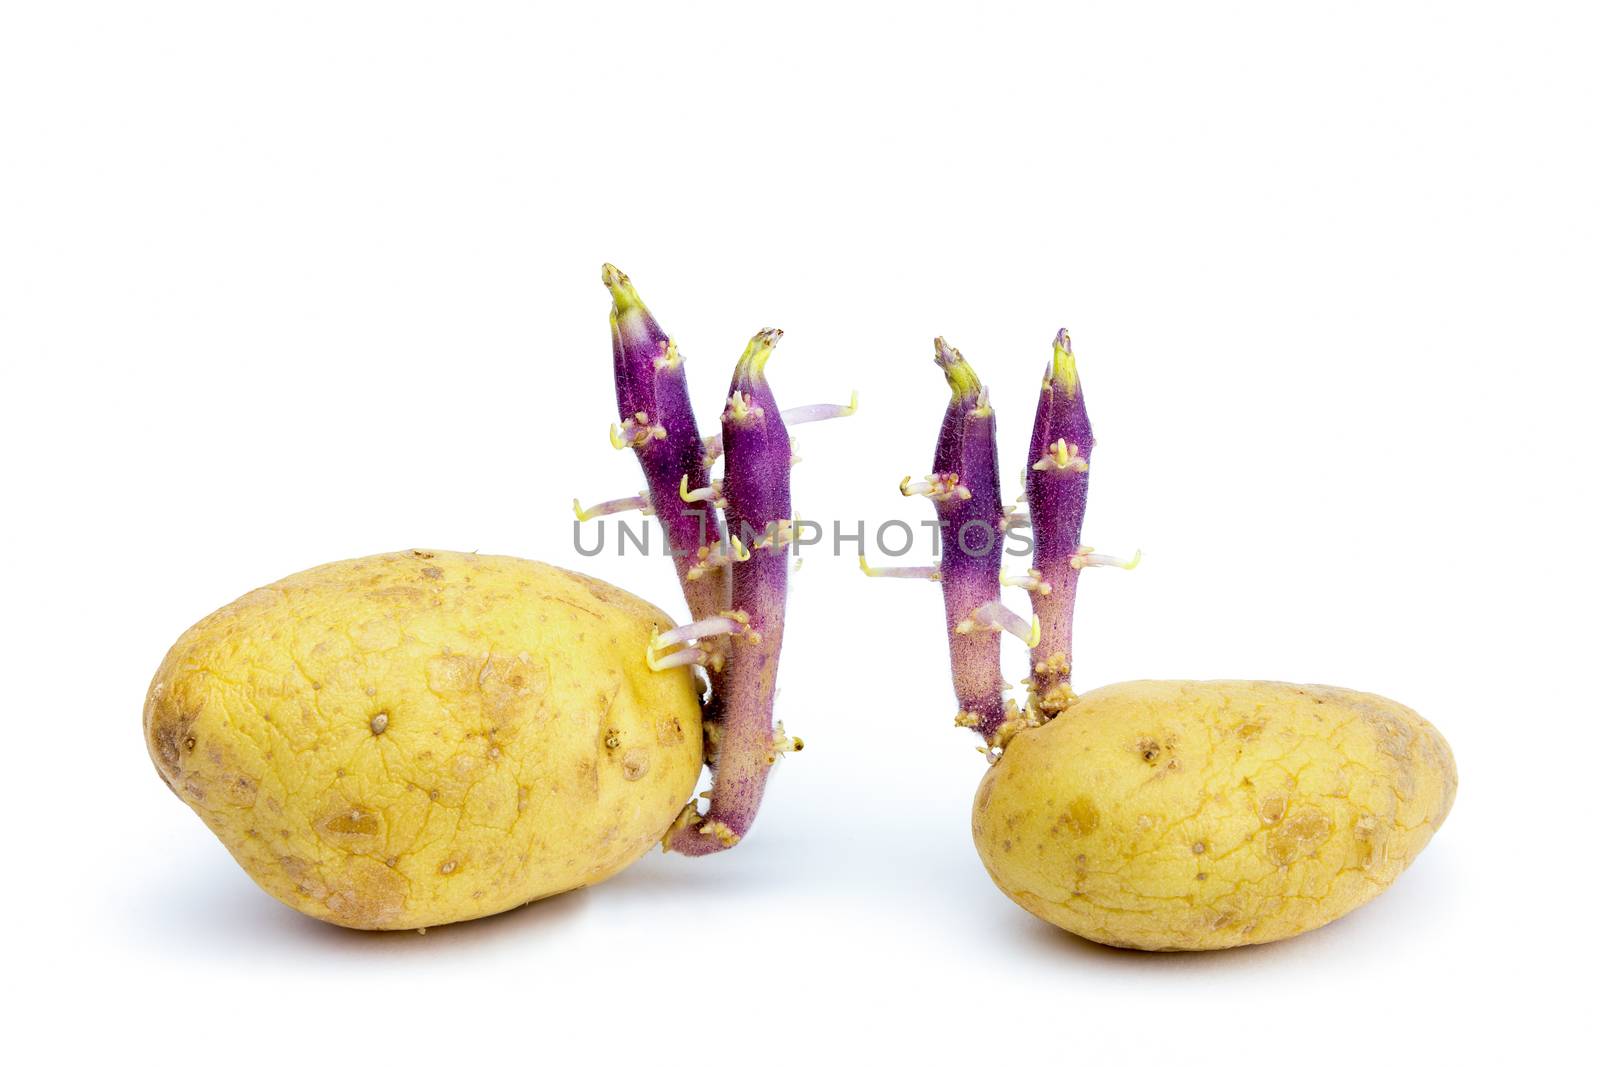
x,y
424,737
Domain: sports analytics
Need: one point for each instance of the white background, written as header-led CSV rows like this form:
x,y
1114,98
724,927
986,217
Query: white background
x,y
288,283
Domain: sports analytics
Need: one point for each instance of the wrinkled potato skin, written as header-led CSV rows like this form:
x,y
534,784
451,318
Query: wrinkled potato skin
x,y
1200,815
419,738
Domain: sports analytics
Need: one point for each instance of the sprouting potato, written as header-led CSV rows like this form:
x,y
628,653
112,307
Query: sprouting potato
x,y
1152,815
1199,815
424,737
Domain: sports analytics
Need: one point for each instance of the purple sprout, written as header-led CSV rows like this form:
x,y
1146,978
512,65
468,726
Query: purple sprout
x,y
1057,479
757,458
964,487
734,576
658,424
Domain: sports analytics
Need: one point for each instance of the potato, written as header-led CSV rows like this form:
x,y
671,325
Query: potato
x,y
1198,815
424,737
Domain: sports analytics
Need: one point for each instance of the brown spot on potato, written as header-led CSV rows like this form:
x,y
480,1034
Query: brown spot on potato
x,y
366,894
1368,832
452,673
635,764
1080,818
1299,836
303,875
588,774
512,690
1394,734
352,828
170,738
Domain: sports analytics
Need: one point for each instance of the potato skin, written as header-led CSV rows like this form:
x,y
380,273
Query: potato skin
x,y
424,737
1172,815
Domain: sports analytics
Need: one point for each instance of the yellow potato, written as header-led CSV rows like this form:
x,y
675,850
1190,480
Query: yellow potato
x,y
424,737
1199,815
